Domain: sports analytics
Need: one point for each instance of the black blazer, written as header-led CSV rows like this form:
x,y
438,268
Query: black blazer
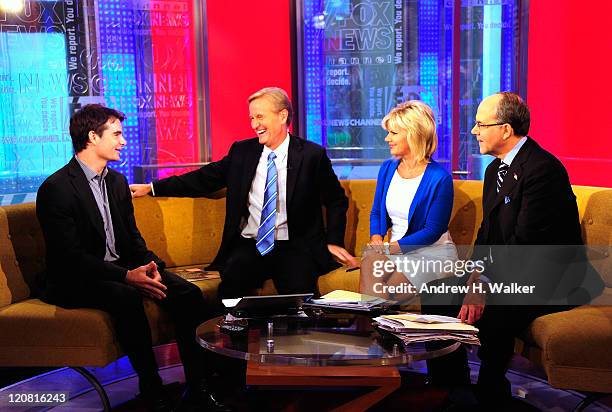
x,y
74,231
535,206
311,183
530,231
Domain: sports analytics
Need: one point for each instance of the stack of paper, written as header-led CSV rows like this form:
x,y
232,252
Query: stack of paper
x,y
408,338
194,274
413,327
343,299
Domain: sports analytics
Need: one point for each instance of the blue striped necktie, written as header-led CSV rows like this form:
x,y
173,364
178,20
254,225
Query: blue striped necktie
x,y
265,235
501,173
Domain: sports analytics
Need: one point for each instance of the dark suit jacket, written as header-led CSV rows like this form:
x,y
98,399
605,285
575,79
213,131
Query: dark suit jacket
x,y
535,206
526,225
74,231
311,183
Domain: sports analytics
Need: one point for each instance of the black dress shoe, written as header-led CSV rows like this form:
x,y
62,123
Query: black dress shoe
x,y
200,398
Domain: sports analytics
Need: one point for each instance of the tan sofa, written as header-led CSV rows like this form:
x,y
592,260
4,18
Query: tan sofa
x,y
573,347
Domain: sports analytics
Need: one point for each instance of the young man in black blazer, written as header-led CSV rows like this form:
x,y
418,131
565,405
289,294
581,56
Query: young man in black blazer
x,y
301,180
96,257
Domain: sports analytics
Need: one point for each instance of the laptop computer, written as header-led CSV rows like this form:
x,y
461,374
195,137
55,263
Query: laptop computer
x,y
262,306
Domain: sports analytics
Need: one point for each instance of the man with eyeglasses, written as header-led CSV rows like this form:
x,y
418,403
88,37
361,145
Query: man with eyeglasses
x,y
527,200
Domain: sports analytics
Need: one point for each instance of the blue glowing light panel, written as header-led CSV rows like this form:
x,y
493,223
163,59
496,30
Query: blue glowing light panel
x,y
363,57
57,56
118,56
34,106
489,62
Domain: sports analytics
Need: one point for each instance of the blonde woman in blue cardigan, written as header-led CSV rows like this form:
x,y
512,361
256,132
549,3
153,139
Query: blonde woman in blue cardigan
x,y
413,199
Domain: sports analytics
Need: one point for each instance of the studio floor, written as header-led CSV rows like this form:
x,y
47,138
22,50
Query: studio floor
x,y
414,395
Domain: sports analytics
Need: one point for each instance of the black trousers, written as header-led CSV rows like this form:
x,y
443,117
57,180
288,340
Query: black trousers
x,y
292,269
124,303
498,328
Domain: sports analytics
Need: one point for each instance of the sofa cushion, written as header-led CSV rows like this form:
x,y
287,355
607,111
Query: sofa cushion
x,y
466,215
47,335
54,336
361,196
181,231
13,288
574,342
28,243
596,220
33,322
339,279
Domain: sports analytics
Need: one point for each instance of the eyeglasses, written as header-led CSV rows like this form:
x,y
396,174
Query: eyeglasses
x,y
479,125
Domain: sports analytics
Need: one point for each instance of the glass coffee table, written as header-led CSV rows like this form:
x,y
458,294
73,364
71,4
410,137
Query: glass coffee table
x,y
320,350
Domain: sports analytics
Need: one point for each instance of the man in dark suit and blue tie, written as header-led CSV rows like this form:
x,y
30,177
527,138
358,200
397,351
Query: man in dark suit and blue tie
x,y
530,234
276,185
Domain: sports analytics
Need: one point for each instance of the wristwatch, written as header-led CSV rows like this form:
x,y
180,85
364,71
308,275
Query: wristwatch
x,y
386,248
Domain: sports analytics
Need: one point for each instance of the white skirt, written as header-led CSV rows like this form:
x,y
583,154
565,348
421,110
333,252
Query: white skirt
x,y
427,263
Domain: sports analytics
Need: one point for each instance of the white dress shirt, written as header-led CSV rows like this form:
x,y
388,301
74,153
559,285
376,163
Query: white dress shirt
x,y
256,194
400,196
512,153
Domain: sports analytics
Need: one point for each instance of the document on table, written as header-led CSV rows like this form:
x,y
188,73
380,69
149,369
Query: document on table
x,y
347,296
416,327
344,299
422,318
404,325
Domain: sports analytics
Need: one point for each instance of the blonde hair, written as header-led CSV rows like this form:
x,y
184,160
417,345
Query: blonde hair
x,y
278,97
417,120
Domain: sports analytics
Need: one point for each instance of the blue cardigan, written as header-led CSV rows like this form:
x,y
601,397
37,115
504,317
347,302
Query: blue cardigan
x,y
430,210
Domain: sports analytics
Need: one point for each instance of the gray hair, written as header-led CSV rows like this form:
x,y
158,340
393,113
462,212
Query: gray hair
x,y
513,110
278,97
